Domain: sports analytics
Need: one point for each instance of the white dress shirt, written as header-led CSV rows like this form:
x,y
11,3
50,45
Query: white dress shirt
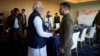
x,y
16,25
23,18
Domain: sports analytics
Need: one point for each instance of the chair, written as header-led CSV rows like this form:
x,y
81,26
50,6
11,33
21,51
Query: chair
x,y
75,41
91,34
82,38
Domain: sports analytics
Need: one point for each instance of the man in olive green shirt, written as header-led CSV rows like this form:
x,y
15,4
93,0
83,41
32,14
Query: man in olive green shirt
x,y
97,23
66,30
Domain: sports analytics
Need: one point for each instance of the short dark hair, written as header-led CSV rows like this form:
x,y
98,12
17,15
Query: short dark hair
x,y
65,5
16,9
23,9
12,11
56,13
48,11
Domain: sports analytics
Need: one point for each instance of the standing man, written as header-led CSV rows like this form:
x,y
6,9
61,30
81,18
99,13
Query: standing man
x,y
15,31
66,29
48,21
10,19
37,34
97,23
56,20
23,20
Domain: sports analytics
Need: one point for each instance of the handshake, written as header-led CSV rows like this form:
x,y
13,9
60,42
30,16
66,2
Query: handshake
x,y
54,32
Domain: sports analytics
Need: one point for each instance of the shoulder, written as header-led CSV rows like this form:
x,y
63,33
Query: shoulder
x,y
38,19
33,15
69,21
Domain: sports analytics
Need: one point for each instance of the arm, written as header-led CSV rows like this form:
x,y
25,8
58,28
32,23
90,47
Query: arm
x,y
25,20
54,20
96,21
93,22
8,22
68,32
59,19
39,28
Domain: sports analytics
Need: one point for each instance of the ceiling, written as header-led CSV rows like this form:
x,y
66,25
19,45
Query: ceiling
x,y
76,1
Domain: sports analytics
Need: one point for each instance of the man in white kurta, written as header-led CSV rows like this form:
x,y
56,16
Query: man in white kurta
x,y
36,34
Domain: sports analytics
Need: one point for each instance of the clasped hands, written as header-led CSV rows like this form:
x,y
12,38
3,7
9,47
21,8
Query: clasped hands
x,y
53,32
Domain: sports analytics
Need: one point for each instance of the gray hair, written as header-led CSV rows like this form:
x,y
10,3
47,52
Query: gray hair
x,y
37,4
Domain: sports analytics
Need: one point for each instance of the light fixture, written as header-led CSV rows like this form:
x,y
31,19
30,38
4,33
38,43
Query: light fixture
x,y
78,1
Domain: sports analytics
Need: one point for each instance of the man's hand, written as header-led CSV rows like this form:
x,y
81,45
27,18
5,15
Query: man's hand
x,y
98,26
53,33
61,50
7,31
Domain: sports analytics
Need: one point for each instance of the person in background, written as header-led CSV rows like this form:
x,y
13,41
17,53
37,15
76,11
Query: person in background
x,y
9,20
97,23
23,20
52,43
37,34
66,30
15,31
1,24
56,20
76,23
48,21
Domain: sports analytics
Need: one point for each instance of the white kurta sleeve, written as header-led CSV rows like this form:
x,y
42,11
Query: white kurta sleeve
x,y
39,28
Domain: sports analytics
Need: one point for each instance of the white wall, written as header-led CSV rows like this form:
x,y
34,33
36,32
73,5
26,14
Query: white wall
x,y
7,5
84,6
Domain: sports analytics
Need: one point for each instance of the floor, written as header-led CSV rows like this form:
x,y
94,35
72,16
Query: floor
x,y
87,50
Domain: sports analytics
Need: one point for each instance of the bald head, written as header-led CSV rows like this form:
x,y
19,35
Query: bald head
x,y
38,6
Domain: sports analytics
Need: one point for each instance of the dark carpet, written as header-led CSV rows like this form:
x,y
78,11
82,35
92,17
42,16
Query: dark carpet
x,y
87,50
6,49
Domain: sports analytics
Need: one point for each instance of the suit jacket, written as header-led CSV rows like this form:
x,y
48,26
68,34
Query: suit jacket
x,y
66,31
24,18
56,19
11,20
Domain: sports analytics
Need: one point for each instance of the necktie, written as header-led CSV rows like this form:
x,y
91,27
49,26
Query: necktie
x,y
49,24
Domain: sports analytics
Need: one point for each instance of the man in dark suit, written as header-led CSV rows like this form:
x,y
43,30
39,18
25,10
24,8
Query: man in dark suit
x,y
23,20
66,29
56,19
15,31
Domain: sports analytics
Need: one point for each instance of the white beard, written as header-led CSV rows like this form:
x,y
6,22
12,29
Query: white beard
x,y
40,12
